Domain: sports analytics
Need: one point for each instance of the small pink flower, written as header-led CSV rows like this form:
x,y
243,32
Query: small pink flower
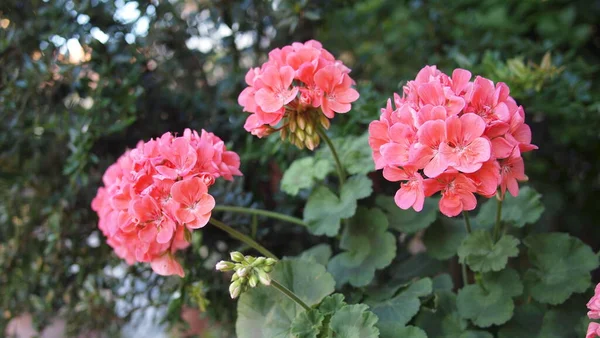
x,y
275,91
411,193
337,93
593,330
427,152
457,192
196,203
512,169
594,304
181,156
465,149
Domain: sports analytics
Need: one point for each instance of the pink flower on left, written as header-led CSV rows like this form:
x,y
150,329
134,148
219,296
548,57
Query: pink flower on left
x,y
157,192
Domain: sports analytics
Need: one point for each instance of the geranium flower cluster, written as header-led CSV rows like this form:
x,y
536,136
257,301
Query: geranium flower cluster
x,y
452,135
594,306
155,194
300,86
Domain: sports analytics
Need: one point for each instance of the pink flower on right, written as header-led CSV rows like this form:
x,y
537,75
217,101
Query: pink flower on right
x,y
594,313
451,135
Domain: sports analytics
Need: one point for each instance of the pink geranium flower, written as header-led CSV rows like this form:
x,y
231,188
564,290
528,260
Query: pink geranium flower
x,y
337,93
465,149
156,192
465,136
594,304
275,91
593,330
300,81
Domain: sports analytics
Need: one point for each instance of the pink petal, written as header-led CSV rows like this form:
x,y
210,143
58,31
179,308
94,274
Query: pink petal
x,y
432,133
268,101
472,126
347,95
166,265
188,191
405,198
432,93
436,166
501,148
394,174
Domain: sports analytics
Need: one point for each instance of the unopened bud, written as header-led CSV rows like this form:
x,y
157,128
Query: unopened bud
x,y
298,143
235,290
300,134
267,268
324,121
292,124
253,281
310,129
283,134
259,261
235,277
225,266
301,120
250,259
243,272
263,277
310,144
270,261
237,256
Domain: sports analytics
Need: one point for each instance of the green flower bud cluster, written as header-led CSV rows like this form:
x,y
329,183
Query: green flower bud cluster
x,y
249,271
301,128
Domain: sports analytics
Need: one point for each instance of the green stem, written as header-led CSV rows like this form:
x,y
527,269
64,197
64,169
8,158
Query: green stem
x,y
464,265
266,213
467,222
241,237
289,293
463,268
338,163
498,220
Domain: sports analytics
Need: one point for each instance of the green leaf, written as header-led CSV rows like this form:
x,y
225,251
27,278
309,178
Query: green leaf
x,y
419,265
404,332
354,153
399,310
354,321
534,321
307,324
408,221
265,312
480,252
443,238
324,210
523,209
332,303
561,266
320,253
491,302
445,321
303,173
369,247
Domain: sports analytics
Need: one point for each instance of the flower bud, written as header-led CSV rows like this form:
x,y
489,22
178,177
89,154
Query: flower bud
x,y
300,119
300,134
250,259
267,268
243,272
234,290
225,266
283,134
259,261
324,121
253,281
292,124
310,129
270,261
263,277
237,256
235,277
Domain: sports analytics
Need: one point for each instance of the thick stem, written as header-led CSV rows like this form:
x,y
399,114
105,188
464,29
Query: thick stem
x,y
498,221
241,237
338,163
463,268
290,294
259,212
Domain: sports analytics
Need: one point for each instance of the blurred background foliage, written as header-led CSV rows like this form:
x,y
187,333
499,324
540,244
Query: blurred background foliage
x,y
81,81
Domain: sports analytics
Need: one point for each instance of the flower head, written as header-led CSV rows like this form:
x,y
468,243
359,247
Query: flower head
x,y
594,304
451,135
295,92
156,193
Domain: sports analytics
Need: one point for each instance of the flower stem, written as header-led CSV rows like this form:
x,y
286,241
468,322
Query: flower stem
x,y
498,220
467,221
338,163
266,213
290,294
464,265
241,237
